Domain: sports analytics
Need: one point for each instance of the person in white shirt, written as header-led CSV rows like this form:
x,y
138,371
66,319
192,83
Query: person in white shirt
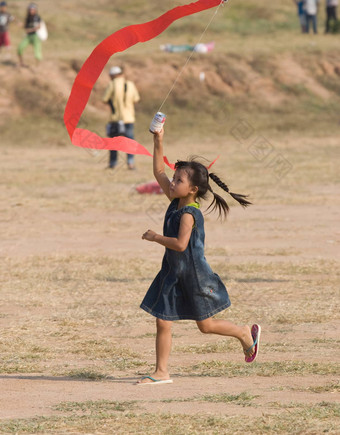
x,y
311,9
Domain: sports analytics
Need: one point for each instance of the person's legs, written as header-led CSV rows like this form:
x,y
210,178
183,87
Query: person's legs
x,y
113,155
4,40
332,15
308,17
113,158
303,22
315,23
23,44
129,132
226,328
131,161
7,41
163,348
328,18
37,47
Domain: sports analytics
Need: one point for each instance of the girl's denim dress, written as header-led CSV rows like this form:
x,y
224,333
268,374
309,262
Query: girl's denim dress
x,y
185,287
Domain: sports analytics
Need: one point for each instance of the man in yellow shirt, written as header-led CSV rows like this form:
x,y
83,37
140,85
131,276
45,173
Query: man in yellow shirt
x,y
121,95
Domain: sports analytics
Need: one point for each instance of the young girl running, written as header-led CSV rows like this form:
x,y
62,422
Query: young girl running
x,y
186,287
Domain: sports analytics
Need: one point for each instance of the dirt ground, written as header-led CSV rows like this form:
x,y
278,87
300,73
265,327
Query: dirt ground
x,y
75,270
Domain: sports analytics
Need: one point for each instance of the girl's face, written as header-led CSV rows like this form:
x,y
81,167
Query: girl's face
x,y
32,11
180,186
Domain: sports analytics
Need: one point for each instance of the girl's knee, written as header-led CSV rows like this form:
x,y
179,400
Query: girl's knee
x,y
163,324
204,326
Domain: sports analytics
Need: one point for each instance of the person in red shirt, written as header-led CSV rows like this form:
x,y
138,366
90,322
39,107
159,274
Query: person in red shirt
x,y
5,20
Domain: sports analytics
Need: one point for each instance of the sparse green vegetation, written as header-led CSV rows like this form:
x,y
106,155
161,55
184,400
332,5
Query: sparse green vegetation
x,y
84,374
219,347
243,399
319,389
217,368
322,417
95,406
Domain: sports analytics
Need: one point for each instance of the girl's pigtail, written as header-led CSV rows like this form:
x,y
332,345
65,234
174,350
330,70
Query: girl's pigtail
x,y
241,199
238,197
218,203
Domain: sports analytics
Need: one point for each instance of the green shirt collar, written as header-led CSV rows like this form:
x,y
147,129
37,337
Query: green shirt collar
x,y
194,204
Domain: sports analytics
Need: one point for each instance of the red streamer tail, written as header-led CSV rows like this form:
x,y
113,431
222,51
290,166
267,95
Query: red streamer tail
x,y
94,65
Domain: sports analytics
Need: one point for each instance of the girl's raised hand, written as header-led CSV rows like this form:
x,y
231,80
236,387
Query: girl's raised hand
x,y
149,235
158,136
158,163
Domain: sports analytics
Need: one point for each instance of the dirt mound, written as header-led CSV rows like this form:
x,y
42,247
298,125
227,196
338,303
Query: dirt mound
x,y
264,80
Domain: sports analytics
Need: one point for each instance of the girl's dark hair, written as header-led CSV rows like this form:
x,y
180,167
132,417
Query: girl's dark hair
x,y
199,176
27,19
28,16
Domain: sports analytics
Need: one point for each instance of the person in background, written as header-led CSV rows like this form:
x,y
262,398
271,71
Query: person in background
x,y
32,25
301,14
311,10
121,95
331,12
5,20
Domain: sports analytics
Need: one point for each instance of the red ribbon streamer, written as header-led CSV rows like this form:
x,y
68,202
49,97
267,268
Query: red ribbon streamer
x,y
94,65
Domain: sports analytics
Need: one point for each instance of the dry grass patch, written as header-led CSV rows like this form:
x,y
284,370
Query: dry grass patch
x,y
222,346
333,387
93,407
19,355
243,399
292,293
84,374
307,419
61,306
268,369
66,303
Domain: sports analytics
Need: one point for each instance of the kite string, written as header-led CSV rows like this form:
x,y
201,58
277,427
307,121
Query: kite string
x,y
191,54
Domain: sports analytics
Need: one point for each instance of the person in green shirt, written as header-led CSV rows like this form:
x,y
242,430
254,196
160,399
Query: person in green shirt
x,y
32,25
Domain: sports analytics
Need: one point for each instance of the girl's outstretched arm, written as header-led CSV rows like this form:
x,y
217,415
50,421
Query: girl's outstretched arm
x,y
179,243
158,163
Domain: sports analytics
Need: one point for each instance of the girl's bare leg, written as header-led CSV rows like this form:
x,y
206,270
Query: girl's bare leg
x,y
224,327
163,348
